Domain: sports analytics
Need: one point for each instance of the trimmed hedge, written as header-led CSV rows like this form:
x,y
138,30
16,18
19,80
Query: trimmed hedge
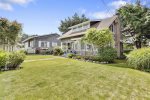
x,y
3,59
107,54
9,61
15,59
139,59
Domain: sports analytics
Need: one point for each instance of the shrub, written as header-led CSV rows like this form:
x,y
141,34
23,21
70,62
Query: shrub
x,y
107,54
57,52
86,57
139,59
70,55
3,59
15,59
95,58
78,57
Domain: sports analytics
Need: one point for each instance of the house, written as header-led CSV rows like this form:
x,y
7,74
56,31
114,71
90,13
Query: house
x,y
38,44
7,46
71,40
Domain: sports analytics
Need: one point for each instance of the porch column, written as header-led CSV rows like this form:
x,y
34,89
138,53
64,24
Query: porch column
x,y
62,45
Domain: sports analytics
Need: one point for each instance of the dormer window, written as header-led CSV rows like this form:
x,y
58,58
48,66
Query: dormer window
x,y
81,27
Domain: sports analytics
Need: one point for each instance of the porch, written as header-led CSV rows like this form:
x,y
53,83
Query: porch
x,y
79,47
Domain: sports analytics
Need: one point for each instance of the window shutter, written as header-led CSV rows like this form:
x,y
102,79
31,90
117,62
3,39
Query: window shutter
x,y
39,43
48,44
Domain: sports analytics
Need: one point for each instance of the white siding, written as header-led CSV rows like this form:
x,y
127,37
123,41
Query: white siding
x,y
39,43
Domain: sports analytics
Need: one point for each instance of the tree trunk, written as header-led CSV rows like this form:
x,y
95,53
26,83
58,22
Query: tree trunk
x,y
138,44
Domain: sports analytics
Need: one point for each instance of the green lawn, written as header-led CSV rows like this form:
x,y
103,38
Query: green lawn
x,y
68,79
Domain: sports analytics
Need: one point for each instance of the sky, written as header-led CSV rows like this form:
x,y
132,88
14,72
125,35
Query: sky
x,y
44,16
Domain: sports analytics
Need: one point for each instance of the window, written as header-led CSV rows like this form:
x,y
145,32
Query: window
x,y
81,27
28,43
82,46
112,28
44,44
89,46
54,44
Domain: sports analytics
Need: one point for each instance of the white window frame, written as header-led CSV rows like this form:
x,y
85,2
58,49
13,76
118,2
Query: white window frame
x,y
46,44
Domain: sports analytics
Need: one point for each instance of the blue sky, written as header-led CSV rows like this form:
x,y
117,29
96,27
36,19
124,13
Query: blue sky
x,y
44,16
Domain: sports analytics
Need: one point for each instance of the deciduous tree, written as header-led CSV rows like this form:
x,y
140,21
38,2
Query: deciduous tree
x,y
9,30
135,20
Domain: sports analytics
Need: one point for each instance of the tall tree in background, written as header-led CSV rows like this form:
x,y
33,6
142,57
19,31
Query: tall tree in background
x,y
9,31
70,21
24,36
135,20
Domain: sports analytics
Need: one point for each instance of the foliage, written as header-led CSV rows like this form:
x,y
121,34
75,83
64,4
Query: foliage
x,y
3,59
9,31
107,54
70,55
78,57
70,21
99,38
140,59
15,59
135,20
24,36
95,58
57,52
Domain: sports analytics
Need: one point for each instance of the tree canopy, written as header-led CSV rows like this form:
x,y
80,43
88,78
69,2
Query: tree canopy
x,y
135,20
99,38
9,30
70,21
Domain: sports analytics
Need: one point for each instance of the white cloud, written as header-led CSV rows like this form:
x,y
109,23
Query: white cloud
x,y
100,15
8,4
117,4
111,9
20,1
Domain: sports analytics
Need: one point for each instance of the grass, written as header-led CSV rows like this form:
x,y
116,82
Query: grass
x,y
67,79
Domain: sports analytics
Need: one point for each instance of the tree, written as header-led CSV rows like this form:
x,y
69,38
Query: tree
x,y
9,31
24,36
135,20
99,38
70,21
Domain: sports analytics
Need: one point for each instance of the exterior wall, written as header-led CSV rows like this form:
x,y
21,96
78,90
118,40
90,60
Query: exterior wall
x,y
118,38
8,48
35,43
50,40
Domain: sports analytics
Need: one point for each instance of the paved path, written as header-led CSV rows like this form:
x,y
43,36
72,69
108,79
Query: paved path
x,y
39,59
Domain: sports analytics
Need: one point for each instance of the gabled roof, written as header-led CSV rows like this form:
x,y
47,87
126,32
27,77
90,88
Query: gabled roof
x,y
100,24
105,23
32,37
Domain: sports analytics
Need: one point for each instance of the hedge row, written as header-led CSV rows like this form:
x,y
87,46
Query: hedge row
x,y
10,61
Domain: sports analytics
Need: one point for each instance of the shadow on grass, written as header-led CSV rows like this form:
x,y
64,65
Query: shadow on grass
x,y
120,63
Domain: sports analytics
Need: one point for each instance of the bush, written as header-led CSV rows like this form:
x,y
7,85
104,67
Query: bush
x,y
139,59
78,57
70,55
15,59
107,54
57,52
3,59
95,58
